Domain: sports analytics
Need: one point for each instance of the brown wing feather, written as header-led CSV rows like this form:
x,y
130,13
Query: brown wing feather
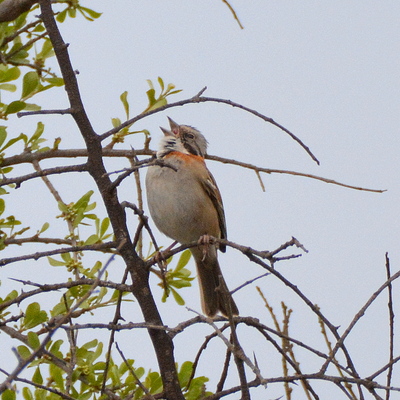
x,y
213,192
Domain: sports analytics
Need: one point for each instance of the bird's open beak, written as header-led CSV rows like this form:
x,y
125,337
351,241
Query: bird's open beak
x,y
174,126
166,132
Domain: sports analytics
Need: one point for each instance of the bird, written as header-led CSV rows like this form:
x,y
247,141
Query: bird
x,y
186,205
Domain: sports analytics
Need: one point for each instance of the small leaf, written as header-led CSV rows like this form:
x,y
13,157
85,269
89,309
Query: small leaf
x,y
8,86
13,140
37,377
161,83
56,375
44,227
185,373
92,239
32,107
55,263
15,107
10,75
151,95
23,351
178,298
34,316
3,135
104,226
55,81
33,340
29,83
115,122
183,260
2,206
62,15
27,393
92,13
8,394
124,100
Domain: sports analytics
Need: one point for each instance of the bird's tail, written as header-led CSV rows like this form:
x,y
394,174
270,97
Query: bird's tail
x,y
214,292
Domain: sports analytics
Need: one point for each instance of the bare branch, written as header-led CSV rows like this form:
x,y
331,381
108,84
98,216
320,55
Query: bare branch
x,y
50,171
45,112
282,171
201,99
391,327
37,255
233,13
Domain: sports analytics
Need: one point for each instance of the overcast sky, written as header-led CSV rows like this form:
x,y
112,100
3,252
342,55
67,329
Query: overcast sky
x,y
327,71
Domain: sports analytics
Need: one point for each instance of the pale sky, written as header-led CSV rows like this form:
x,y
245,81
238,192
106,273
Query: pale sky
x,y
327,71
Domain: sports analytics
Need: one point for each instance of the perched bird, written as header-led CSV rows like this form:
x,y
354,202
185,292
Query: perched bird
x,y
186,205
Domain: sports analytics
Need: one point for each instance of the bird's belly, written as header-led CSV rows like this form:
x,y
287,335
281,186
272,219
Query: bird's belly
x,y
180,210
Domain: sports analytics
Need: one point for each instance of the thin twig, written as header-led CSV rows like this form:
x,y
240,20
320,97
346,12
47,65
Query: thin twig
x,y
42,173
202,99
233,13
287,172
45,112
391,327
132,371
37,255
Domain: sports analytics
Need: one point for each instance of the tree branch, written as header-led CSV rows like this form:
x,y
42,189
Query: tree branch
x,y
203,99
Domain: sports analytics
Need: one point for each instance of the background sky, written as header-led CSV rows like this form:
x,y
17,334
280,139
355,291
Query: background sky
x,y
327,71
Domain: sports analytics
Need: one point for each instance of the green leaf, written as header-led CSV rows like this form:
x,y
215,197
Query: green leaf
x,y
15,107
55,81
90,345
32,107
37,377
90,12
72,12
161,83
30,83
8,86
185,373
23,351
33,340
34,316
8,394
10,74
44,227
55,263
105,224
55,348
151,95
124,100
92,239
13,140
178,298
47,50
2,206
62,15
84,200
115,122
183,260
27,393
56,374
3,135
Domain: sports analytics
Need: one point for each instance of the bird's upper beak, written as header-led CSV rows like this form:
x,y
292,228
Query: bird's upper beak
x,y
174,126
